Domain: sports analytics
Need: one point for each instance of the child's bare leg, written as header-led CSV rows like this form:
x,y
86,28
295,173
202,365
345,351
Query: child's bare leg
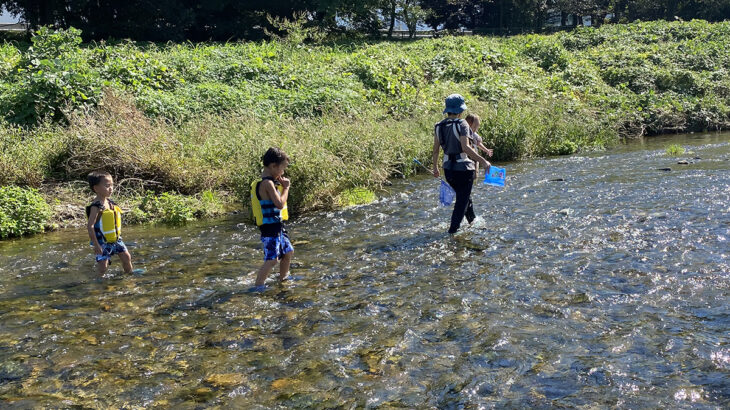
x,y
284,265
101,266
126,259
264,271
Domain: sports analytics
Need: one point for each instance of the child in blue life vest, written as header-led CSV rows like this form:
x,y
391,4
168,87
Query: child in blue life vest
x,y
476,141
104,224
452,136
268,202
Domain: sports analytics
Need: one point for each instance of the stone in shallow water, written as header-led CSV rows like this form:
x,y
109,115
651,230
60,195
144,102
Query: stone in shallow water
x,y
90,339
485,389
11,371
199,395
225,379
556,386
565,212
284,383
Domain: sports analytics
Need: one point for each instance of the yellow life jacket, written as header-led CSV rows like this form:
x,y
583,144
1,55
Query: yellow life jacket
x,y
111,224
260,207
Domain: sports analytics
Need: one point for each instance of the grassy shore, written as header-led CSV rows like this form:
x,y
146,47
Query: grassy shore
x,y
182,126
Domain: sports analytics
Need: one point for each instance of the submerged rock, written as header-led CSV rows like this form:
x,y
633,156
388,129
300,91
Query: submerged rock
x,y
664,169
11,371
225,379
198,395
284,383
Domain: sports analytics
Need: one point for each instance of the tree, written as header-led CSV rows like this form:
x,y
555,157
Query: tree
x,y
486,15
412,14
222,20
161,19
630,10
596,9
37,13
359,15
452,14
407,11
391,7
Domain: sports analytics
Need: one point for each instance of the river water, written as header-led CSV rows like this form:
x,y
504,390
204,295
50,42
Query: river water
x,y
593,279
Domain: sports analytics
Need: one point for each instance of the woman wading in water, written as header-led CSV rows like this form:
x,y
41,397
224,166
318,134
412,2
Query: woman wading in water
x,y
452,135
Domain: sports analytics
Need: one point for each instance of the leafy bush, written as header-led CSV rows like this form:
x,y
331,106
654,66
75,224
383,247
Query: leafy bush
x,y
172,209
52,78
9,57
548,52
23,211
134,69
392,78
210,204
169,208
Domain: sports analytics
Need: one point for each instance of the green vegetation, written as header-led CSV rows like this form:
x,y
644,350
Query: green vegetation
x,y
189,118
357,196
675,150
172,209
23,211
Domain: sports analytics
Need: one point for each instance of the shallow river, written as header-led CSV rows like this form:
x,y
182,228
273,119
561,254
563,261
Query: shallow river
x,y
595,279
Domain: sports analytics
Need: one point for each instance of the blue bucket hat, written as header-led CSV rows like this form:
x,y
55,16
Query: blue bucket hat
x,y
455,104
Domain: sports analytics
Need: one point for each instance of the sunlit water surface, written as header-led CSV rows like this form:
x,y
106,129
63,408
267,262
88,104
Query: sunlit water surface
x,y
609,287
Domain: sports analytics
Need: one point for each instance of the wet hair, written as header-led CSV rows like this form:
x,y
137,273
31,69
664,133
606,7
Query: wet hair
x,y
95,177
274,156
471,118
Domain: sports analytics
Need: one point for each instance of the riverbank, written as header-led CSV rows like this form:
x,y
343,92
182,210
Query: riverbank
x,y
183,120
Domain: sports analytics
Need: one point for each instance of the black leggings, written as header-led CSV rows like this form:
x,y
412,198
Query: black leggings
x,y
462,182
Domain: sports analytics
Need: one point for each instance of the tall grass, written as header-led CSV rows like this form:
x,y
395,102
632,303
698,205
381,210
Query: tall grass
x,y
330,154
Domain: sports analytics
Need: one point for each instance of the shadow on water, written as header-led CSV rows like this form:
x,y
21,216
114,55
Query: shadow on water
x,y
597,278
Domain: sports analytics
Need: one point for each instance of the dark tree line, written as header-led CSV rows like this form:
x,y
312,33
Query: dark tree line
x,y
221,20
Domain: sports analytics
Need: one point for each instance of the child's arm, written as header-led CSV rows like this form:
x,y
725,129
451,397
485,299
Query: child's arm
x,y
93,214
435,156
272,194
471,153
485,149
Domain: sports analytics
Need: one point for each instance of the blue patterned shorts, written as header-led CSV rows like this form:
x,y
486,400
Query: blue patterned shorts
x,y
275,247
111,249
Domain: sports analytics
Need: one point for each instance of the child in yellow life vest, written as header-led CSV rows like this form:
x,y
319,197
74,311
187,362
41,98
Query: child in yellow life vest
x,y
268,201
105,224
